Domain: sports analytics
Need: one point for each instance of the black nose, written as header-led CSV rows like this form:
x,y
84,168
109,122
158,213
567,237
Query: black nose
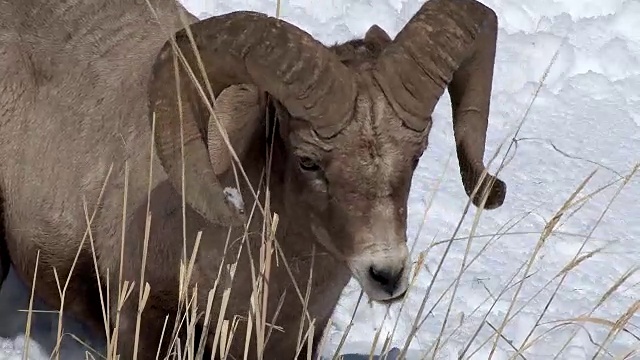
x,y
389,279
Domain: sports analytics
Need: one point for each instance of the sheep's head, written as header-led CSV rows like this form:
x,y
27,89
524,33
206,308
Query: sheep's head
x,y
353,129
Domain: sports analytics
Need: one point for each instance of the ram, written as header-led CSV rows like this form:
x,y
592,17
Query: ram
x,y
97,107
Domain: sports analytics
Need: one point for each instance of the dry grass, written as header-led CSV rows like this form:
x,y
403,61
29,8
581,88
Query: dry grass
x,y
259,326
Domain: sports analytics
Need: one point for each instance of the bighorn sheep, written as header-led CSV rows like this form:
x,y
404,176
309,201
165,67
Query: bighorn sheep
x,y
84,82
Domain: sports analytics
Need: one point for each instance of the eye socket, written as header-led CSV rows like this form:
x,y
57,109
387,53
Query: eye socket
x,y
307,164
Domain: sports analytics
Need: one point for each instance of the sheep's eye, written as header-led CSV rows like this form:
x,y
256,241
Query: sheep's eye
x,y
307,164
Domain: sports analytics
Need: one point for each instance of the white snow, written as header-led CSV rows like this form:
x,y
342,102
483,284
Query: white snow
x,y
586,117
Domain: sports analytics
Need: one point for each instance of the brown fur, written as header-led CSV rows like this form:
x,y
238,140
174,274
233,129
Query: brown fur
x,y
72,104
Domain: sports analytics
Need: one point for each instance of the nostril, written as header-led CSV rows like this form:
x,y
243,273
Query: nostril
x,y
389,279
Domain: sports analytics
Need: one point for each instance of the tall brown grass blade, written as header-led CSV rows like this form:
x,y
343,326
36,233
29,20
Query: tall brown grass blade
x,y
27,332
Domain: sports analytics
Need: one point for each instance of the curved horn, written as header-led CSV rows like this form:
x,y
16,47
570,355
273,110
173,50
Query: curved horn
x,y
448,43
237,107
241,48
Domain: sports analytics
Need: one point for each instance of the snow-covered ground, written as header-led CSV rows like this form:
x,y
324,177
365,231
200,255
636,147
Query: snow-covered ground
x,y
586,117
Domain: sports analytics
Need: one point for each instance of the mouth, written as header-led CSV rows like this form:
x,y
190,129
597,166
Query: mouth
x,y
383,276
392,300
383,293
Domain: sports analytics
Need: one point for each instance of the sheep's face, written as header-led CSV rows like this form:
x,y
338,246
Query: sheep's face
x,y
349,182
352,190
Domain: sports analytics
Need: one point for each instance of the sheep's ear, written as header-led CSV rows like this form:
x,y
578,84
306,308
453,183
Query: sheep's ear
x,y
239,109
377,37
